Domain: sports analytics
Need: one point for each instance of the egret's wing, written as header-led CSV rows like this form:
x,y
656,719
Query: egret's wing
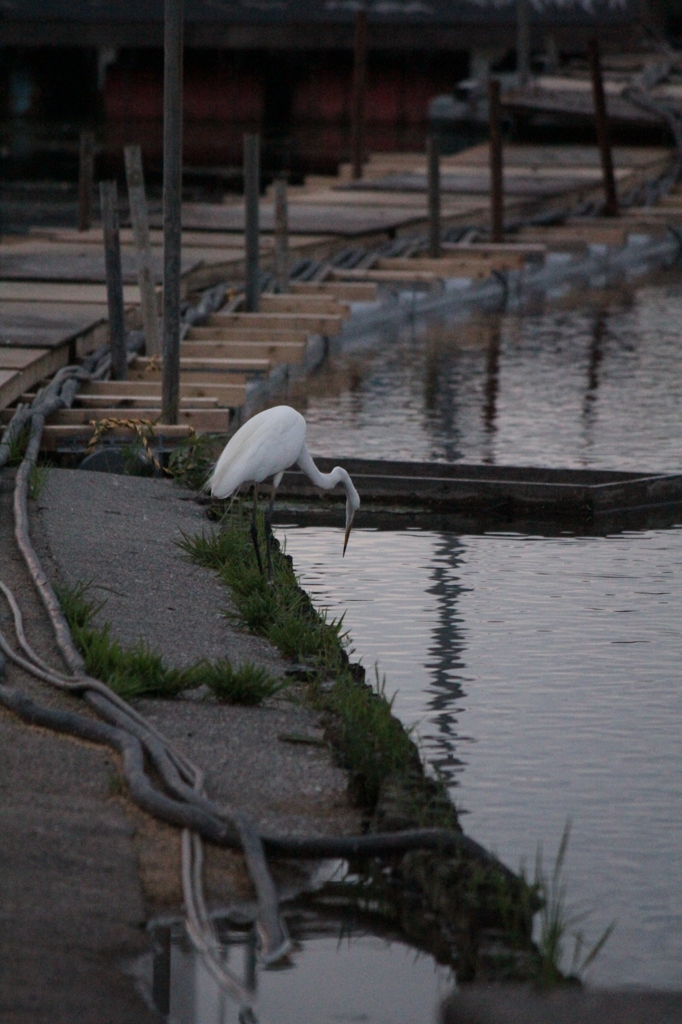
x,y
267,444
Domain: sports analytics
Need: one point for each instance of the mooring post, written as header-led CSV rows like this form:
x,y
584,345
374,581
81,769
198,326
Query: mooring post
x,y
281,234
496,193
108,194
145,269
522,42
602,126
86,163
251,203
358,101
433,164
172,213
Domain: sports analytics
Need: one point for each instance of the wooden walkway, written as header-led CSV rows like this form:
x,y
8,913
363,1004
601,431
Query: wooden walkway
x,y
53,295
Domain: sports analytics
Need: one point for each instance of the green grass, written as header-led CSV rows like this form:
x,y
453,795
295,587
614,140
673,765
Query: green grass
x,y
139,671
385,769
369,740
191,461
37,479
558,924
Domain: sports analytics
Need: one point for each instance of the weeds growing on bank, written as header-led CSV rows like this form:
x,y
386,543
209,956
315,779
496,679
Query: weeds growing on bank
x,y
192,460
557,923
139,671
370,741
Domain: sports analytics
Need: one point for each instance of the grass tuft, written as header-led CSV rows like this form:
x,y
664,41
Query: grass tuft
x,y
557,923
191,461
139,671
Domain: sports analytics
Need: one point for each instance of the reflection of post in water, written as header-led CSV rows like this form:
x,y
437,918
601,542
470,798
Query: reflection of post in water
x,y
492,387
595,357
442,381
445,658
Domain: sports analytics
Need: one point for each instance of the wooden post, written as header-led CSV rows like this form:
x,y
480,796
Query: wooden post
x,y
112,260
496,187
86,161
602,126
358,102
172,208
522,42
145,268
433,164
251,204
281,234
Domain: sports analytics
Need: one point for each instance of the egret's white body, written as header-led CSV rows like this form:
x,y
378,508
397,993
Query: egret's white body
x,y
267,445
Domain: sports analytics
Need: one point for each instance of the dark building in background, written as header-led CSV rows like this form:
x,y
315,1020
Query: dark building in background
x,y
282,67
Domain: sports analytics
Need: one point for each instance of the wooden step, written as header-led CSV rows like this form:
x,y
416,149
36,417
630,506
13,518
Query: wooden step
x,y
47,291
402,276
232,395
328,324
321,304
21,368
483,249
448,266
349,291
197,378
273,351
597,234
210,365
58,435
244,334
201,419
122,401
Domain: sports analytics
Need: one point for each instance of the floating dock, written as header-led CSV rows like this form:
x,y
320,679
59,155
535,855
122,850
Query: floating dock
x,y
511,490
350,242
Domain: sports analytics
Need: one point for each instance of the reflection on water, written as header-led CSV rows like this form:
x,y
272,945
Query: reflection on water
x,y
599,386
542,674
335,974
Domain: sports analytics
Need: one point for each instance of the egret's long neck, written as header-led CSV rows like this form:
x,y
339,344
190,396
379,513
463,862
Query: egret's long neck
x,y
324,480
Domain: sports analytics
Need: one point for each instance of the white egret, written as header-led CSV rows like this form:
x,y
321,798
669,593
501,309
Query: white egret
x,y
267,445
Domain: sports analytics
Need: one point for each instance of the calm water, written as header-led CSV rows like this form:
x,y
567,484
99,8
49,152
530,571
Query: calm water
x,y
542,673
597,386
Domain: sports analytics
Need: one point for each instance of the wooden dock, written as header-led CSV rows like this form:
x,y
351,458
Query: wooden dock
x,y
511,490
360,236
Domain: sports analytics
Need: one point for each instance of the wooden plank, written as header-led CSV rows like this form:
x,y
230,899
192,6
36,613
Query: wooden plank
x,y
329,324
91,294
139,402
456,267
10,387
303,304
348,291
402,276
303,219
226,394
245,334
198,378
34,325
527,249
47,362
200,419
275,352
75,264
56,436
243,365
615,234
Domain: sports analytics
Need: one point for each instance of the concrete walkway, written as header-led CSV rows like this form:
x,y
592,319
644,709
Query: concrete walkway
x,y
82,869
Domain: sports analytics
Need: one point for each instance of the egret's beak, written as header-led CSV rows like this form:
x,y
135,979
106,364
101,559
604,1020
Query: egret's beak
x,y
345,543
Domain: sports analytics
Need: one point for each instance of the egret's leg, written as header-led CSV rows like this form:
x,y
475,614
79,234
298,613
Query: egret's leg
x,y
276,481
268,530
254,528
